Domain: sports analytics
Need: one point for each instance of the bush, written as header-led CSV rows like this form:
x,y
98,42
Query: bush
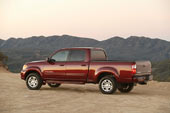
x,y
3,58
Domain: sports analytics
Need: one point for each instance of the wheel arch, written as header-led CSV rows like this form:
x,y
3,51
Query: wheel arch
x,y
103,74
103,71
32,70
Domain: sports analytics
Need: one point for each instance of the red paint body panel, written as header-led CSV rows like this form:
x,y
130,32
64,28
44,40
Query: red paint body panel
x,y
77,71
115,68
81,71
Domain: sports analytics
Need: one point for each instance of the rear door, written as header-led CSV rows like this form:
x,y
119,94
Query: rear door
x,y
77,66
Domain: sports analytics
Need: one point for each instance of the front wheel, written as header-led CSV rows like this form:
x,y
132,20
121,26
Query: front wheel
x,y
107,85
53,85
125,87
34,81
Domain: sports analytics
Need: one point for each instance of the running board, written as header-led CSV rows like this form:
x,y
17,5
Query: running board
x,y
64,82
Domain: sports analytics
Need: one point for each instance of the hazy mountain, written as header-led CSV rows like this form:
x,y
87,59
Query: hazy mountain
x,y
161,70
22,50
1,41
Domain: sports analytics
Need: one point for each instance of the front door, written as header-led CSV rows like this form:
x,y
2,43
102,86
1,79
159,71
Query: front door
x,y
56,70
77,66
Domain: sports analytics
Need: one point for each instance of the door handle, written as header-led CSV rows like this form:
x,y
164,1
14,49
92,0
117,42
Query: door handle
x,y
61,64
83,65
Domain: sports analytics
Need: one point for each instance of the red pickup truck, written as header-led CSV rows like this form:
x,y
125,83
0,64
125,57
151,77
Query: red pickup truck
x,y
86,65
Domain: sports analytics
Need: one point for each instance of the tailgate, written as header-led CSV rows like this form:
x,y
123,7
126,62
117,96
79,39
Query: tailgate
x,y
143,68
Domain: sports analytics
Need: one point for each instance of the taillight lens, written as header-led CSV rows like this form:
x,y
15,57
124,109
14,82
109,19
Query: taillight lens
x,y
134,69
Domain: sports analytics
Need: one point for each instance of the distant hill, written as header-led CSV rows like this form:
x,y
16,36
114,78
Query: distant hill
x,y
21,50
3,59
161,70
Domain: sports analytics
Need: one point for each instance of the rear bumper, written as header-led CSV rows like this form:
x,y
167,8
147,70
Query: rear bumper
x,y
142,79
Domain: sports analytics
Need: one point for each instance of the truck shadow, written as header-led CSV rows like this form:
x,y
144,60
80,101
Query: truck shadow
x,y
68,89
90,90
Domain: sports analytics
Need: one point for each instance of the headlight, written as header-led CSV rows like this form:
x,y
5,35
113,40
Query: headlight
x,y
24,67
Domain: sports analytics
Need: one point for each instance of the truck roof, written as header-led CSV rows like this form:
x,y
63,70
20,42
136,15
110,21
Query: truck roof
x,y
83,48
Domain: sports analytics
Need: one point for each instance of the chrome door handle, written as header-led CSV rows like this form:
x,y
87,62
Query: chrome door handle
x,y
61,64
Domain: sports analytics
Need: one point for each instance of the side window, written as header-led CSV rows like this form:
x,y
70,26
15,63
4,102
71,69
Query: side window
x,y
97,55
60,56
77,55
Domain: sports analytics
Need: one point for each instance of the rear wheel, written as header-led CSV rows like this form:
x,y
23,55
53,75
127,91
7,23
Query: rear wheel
x,y
107,85
54,85
125,87
34,81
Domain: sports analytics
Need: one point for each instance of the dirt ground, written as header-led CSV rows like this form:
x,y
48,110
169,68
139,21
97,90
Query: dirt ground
x,y
16,98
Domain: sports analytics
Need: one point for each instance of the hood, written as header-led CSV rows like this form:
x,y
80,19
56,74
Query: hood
x,y
36,62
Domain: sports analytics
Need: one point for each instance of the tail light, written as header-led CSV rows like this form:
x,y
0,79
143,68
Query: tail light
x,y
134,69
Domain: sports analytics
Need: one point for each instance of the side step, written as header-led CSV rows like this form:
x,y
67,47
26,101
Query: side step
x,y
64,82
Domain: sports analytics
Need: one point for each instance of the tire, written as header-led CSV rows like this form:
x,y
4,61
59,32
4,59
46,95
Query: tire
x,y
34,81
107,85
125,88
53,85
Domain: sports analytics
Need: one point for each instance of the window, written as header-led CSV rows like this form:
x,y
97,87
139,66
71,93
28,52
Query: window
x,y
60,56
97,55
77,55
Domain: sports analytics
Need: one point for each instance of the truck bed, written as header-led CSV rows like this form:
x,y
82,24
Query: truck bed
x,y
142,67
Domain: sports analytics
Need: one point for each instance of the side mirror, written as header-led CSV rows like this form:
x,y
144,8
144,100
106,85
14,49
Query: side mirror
x,y
50,60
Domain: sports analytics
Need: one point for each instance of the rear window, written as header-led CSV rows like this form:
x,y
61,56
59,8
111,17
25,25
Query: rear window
x,y
97,55
77,55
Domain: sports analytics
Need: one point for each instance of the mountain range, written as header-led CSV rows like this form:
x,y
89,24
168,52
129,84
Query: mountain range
x,y
21,50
